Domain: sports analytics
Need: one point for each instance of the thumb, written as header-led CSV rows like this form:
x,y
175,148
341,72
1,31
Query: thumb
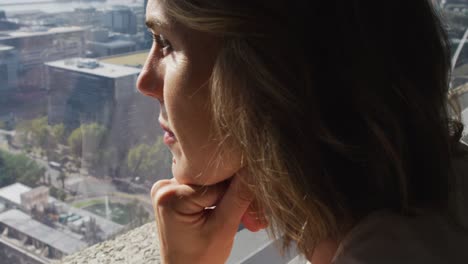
x,y
233,204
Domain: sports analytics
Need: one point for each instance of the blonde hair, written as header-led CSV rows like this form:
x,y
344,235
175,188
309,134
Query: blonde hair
x,y
313,180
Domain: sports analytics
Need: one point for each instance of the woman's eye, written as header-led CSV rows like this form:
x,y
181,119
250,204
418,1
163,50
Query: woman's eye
x,y
162,43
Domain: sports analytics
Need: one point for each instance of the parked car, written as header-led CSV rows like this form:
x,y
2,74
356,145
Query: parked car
x,y
55,165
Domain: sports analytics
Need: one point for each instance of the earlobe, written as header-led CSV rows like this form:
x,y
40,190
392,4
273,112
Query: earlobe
x,y
254,221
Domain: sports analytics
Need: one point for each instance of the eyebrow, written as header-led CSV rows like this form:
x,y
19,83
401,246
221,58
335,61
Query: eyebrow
x,y
154,23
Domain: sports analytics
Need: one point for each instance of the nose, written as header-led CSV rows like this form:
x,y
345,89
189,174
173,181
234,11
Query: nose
x,y
151,79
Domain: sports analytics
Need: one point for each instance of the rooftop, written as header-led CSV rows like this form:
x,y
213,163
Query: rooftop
x,y
134,59
118,43
25,224
5,48
13,192
31,32
94,67
107,226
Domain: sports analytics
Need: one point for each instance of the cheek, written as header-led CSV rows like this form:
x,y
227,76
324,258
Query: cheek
x,y
205,168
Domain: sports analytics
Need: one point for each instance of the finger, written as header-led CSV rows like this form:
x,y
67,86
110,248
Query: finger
x,y
158,185
233,204
187,199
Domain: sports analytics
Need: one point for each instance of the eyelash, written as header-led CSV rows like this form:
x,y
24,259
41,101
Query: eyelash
x,y
162,43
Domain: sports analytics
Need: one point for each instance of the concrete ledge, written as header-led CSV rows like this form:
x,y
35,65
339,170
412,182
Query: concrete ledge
x,y
140,246
136,247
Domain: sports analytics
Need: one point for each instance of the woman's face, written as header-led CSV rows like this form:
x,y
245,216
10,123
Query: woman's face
x,y
177,73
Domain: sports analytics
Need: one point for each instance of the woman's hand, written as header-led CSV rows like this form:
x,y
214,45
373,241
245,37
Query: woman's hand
x,y
191,233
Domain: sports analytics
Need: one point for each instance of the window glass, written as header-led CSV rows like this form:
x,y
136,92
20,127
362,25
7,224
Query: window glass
x,y
456,14
80,147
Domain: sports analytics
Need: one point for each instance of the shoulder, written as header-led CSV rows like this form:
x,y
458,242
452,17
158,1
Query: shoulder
x,y
385,237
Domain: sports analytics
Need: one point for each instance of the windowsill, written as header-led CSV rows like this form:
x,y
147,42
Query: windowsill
x,y
140,245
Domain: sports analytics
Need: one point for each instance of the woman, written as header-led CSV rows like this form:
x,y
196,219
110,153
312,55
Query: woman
x,y
324,120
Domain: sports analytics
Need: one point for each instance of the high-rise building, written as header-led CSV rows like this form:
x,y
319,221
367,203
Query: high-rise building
x,y
121,19
8,68
110,47
35,46
84,91
148,39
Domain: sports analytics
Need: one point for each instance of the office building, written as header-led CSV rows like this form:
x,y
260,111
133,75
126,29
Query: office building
x,y
35,46
110,47
83,91
120,19
86,90
8,68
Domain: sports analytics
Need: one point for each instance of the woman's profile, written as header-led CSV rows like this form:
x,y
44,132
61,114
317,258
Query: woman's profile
x,y
325,122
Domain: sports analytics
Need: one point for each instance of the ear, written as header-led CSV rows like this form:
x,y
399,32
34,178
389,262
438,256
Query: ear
x,y
254,220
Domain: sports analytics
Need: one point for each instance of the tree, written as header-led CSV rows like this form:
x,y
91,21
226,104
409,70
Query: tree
x,y
58,193
149,162
40,132
138,215
136,156
74,142
109,161
19,168
62,176
86,140
92,230
9,139
58,133
23,133
34,133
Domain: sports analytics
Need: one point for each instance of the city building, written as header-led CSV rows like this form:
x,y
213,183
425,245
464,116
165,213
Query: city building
x,y
120,19
8,68
10,195
148,38
97,35
37,45
135,59
24,238
8,25
144,110
22,197
5,24
83,91
84,16
110,47
86,90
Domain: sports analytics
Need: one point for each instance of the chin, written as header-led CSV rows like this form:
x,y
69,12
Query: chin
x,y
184,176
198,173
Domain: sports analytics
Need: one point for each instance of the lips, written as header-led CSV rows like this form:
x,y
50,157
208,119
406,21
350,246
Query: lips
x,y
169,137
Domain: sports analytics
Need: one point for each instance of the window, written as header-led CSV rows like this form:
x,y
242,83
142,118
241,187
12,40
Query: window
x,y
79,147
